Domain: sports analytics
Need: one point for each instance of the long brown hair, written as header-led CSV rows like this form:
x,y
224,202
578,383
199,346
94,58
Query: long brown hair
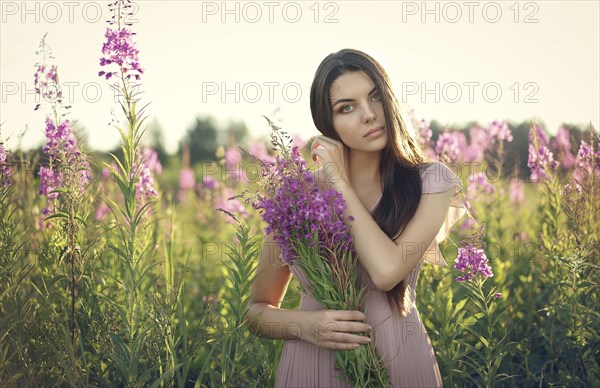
x,y
400,159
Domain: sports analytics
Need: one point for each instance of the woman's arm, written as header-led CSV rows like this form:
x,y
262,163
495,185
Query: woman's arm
x,y
265,317
330,329
389,261
386,261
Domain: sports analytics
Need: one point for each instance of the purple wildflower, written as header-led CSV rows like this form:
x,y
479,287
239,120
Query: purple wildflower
x,y
62,150
49,180
467,224
259,150
425,133
119,47
541,135
67,167
478,144
45,82
570,188
209,183
561,144
149,165
299,141
478,184
101,212
105,174
587,162
472,259
60,139
5,171
499,131
187,181
450,144
232,157
541,159
498,295
541,162
584,155
296,207
232,205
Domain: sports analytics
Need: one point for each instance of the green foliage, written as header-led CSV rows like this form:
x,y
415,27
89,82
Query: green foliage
x,y
202,140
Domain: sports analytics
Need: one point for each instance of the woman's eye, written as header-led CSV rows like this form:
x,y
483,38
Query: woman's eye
x,y
343,109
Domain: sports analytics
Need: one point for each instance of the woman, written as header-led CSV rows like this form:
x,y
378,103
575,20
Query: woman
x,y
402,205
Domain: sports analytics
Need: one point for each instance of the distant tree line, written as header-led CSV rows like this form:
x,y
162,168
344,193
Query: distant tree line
x,y
204,136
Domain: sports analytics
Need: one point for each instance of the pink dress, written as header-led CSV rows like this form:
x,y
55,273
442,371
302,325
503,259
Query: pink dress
x,y
403,342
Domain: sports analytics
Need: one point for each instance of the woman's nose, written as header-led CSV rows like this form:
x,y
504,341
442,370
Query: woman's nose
x,y
369,113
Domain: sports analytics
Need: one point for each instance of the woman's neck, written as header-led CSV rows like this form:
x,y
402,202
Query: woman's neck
x,y
364,169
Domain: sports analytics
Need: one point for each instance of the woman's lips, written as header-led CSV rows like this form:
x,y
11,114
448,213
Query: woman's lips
x,y
374,132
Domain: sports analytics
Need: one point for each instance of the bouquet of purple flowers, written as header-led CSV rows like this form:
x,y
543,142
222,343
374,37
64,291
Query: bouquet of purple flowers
x,y
307,223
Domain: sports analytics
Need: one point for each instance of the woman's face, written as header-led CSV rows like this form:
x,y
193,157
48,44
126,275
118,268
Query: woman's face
x,y
356,110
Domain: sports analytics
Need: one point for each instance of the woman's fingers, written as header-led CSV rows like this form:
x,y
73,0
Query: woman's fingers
x,y
324,140
353,326
315,145
352,338
339,345
349,315
336,329
317,150
344,340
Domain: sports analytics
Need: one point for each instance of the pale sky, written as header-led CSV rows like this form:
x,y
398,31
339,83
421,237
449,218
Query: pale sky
x,y
541,56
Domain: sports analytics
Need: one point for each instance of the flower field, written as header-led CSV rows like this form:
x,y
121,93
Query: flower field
x,y
117,271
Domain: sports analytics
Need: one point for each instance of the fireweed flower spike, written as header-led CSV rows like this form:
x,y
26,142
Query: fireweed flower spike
x,y
449,144
63,181
45,78
499,131
119,47
187,182
68,168
120,52
133,236
472,259
150,164
488,309
541,160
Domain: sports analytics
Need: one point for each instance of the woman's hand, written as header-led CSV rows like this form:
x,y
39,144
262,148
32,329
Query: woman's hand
x,y
334,155
331,329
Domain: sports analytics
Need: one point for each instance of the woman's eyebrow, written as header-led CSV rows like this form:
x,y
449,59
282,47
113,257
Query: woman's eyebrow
x,y
350,99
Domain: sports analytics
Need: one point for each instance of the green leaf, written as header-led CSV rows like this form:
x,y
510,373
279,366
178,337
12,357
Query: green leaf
x,y
57,215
